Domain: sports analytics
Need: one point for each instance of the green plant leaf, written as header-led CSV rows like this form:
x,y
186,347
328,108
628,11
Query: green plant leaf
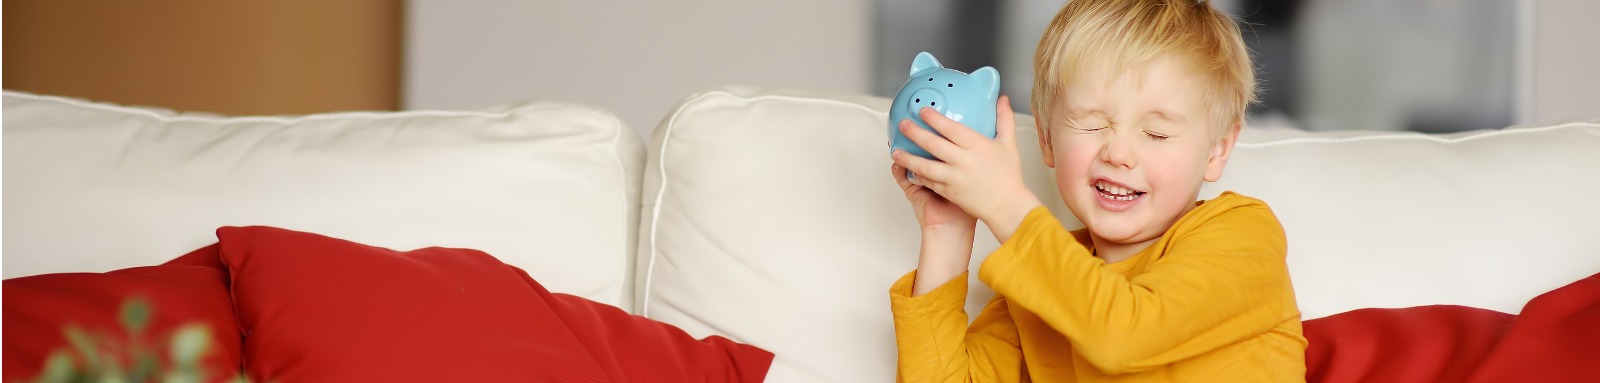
x,y
190,376
84,345
58,368
136,315
111,371
189,344
145,366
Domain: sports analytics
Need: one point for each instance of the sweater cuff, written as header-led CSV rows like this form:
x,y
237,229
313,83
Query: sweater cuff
x,y
952,294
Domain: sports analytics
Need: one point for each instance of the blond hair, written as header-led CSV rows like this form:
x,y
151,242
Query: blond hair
x,y
1127,34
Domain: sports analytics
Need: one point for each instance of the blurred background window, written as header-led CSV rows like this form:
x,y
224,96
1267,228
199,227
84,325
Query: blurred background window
x,y
1431,66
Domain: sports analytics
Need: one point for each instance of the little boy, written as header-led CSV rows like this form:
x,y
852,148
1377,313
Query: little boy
x,y
1138,102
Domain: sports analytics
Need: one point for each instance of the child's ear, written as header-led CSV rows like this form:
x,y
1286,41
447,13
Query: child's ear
x,y
1045,148
1220,150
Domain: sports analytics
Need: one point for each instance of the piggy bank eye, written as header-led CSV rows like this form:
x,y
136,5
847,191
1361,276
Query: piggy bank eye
x,y
930,79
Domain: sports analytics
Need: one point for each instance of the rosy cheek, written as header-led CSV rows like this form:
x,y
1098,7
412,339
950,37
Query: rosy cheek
x,y
1169,169
1073,160
1078,152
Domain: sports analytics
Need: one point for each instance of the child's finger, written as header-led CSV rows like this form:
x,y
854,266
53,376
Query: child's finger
x,y
924,168
935,187
1005,122
954,131
938,146
899,176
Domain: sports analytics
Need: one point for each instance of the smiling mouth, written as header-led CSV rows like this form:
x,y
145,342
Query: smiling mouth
x,y
1116,192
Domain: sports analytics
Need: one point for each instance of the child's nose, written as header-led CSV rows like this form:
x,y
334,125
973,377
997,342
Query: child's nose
x,y
1118,152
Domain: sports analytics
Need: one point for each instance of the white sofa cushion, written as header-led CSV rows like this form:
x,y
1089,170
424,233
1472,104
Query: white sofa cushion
x,y
1487,219
551,188
771,218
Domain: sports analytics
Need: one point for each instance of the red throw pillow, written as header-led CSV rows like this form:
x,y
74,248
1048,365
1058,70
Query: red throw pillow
x,y
1416,344
1556,339
39,308
315,308
639,349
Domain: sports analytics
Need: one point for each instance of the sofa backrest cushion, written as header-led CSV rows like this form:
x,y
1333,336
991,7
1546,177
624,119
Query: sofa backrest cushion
x,y
1487,219
770,218
543,186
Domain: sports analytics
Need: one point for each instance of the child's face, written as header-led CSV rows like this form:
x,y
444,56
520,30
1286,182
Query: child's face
x,y
1130,149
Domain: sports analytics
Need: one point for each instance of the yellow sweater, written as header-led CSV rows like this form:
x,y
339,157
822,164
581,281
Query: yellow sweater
x,y
1208,301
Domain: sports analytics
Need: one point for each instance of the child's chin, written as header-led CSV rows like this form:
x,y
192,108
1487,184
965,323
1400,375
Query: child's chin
x,y
1116,230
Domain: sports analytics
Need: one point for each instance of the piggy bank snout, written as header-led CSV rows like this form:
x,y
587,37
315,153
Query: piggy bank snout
x,y
926,98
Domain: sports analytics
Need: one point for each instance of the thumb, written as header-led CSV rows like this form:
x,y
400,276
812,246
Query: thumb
x,y
1005,122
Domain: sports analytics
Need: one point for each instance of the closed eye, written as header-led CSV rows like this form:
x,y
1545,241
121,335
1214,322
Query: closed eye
x,y
1156,136
1085,126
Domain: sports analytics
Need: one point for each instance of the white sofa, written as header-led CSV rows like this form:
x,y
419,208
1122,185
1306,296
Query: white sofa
x,y
765,215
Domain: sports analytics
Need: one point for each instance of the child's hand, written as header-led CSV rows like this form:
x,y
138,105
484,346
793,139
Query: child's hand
x,y
935,214
982,176
946,235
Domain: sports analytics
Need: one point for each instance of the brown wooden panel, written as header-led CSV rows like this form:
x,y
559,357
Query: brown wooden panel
x,y
230,57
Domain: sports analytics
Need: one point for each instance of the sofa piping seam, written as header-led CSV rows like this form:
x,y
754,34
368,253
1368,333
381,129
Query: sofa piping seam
x,y
1423,137
371,115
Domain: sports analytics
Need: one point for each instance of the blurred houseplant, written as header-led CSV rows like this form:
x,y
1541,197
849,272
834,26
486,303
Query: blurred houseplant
x,y
103,358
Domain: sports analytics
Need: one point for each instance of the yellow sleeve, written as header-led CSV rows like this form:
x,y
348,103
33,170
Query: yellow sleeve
x,y
1219,281
936,345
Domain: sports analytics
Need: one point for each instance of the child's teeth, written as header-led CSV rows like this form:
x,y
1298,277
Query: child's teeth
x,y
1113,189
1117,192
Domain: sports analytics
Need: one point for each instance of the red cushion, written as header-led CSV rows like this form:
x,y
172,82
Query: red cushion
x,y
37,308
1556,338
1415,344
640,349
322,309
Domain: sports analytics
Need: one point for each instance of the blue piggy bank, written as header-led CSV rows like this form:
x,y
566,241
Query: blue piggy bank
x,y
966,98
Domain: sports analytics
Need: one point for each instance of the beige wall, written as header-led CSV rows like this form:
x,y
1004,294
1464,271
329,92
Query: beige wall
x,y
636,59
1564,83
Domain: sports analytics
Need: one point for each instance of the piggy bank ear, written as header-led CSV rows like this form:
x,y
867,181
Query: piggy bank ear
x,y
989,79
924,62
